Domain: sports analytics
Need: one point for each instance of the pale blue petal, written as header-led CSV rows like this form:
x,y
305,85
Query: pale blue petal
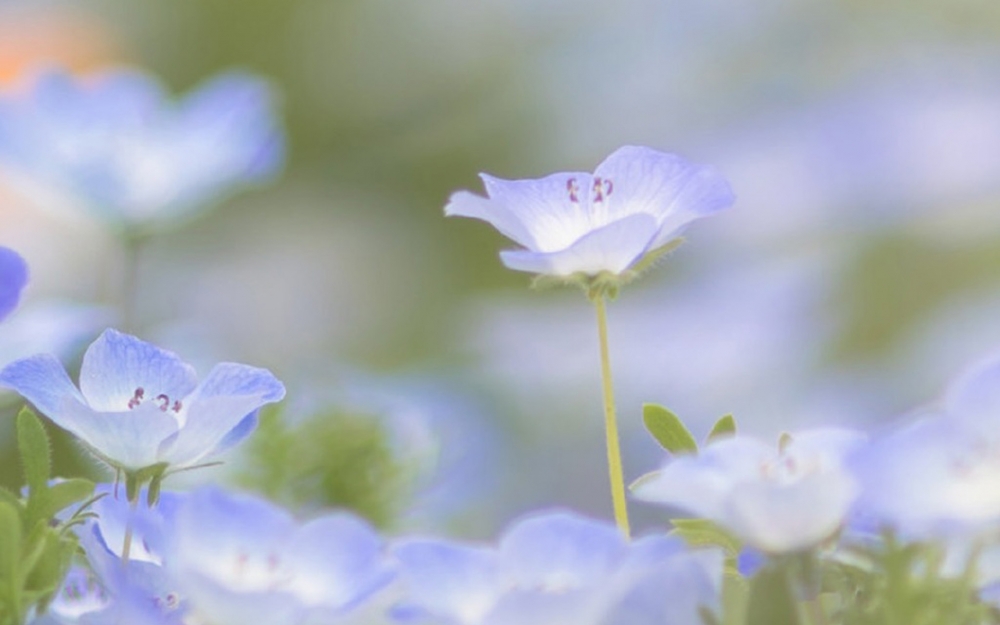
x,y
465,204
532,607
669,593
130,439
560,551
975,396
338,562
613,248
13,277
117,364
43,381
447,579
545,207
666,186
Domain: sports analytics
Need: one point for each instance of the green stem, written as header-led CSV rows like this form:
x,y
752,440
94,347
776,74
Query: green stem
x,y
129,523
610,423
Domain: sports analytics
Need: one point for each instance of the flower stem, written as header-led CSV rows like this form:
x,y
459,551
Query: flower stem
x,y
610,422
129,526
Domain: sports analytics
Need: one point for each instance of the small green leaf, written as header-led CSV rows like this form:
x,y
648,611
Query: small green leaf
x,y
10,540
68,492
645,478
771,601
668,430
705,533
36,455
784,440
724,427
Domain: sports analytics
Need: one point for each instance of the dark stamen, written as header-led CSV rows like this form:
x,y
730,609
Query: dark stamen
x,y
573,190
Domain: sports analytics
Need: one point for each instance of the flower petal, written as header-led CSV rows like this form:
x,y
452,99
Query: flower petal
x,y
13,277
129,439
43,381
448,580
666,186
546,207
560,551
220,404
117,364
465,204
612,248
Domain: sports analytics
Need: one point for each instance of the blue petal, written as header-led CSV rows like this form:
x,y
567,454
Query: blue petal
x,y
560,551
447,579
338,562
43,381
612,248
130,439
663,185
465,204
116,365
13,277
221,404
545,207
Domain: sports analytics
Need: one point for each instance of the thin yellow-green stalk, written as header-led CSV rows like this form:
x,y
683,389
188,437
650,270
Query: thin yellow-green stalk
x,y
610,423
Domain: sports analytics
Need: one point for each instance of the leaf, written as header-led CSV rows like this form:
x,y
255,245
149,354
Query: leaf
x,y
10,540
668,430
771,601
705,533
68,492
724,427
36,455
645,478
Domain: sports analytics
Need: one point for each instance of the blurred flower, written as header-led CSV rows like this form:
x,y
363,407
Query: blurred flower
x,y
116,143
53,327
239,560
778,501
636,202
139,405
940,474
556,568
13,277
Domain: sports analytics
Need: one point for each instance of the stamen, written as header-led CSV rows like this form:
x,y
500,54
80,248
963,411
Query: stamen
x,y
608,187
598,190
136,398
573,188
177,406
166,401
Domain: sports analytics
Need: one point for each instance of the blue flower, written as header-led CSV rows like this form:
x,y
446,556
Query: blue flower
x,y
238,559
636,202
777,501
13,277
555,568
116,142
139,405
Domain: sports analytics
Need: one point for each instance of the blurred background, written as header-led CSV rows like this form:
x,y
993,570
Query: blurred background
x,y
430,388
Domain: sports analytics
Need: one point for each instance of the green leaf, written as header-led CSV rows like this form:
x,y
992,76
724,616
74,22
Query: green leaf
x,y
644,479
771,601
668,430
10,540
36,455
726,426
735,593
68,492
705,533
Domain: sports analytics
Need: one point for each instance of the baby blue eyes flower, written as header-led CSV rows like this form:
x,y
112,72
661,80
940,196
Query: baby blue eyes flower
x,y
635,203
116,142
777,501
139,405
238,560
13,277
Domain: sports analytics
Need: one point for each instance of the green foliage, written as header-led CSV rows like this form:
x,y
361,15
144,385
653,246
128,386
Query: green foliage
x,y
705,533
725,426
668,430
334,459
36,549
771,600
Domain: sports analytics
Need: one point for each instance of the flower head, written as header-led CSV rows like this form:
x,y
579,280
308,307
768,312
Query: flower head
x,y
636,203
13,277
116,142
140,406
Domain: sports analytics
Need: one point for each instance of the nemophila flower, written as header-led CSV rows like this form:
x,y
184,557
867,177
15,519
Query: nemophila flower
x,y
140,406
941,473
13,277
636,202
777,501
238,559
555,568
116,142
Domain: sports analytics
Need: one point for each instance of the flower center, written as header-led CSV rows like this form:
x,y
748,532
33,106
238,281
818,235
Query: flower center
x,y
162,399
253,574
600,190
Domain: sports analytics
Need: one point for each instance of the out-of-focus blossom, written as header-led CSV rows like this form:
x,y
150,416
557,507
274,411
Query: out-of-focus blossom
x,y
239,560
116,143
778,501
58,328
13,277
941,473
636,202
139,405
83,600
556,568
